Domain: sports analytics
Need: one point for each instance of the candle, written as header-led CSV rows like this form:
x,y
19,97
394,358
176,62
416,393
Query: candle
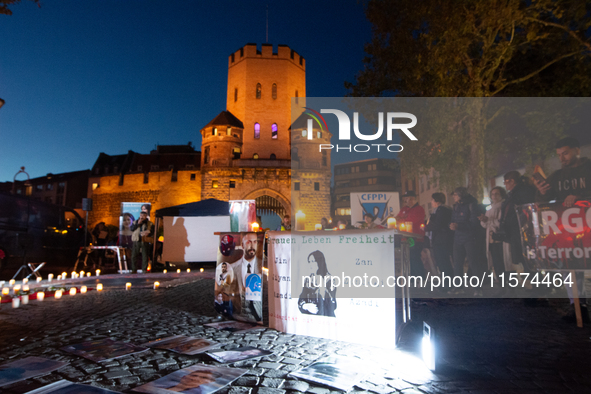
x,y
49,277
99,287
178,271
73,291
255,226
423,226
201,270
25,281
402,226
164,271
409,227
64,275
39,279
83,289
88,274
300,221
188,270
59,277
317,226
25,299
342,226
26,288
127,286
98,272
40,296
156,285
74,274
11,282
391,222
16,288
5,291
16,302
82,274
58,294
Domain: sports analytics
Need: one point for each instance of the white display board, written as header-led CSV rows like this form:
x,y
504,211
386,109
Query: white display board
x,y
381,205
192,238
368,320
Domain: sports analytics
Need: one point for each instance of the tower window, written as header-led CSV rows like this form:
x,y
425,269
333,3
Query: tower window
x,y
229,131
232,184
192,177
316,186
214,131
255,156
297,100
258,90
273,156
257,130
235,94
236,153
296,186
146,177
274,92
214,184
206,155
274,131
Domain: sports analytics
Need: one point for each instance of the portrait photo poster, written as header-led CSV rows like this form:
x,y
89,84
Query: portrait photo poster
x,y
183,344
26,368
238,354
103,349
335,371
67,387
196,379
238,293
232,326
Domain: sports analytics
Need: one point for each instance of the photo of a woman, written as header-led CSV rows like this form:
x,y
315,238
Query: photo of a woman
x,y
316,298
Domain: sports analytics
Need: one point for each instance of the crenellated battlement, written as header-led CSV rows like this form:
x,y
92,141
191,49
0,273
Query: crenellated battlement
x,y
251,51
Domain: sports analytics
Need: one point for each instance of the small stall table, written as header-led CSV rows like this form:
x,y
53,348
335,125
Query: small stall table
x,y
119,252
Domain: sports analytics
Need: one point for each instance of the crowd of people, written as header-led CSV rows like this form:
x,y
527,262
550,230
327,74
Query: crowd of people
x,y
468,238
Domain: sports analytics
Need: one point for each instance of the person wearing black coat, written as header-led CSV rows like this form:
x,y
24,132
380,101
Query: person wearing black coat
x,y
468,237
442,238
518,193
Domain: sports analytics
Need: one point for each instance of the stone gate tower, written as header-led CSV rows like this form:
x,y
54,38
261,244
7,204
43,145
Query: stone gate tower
x,y
246,150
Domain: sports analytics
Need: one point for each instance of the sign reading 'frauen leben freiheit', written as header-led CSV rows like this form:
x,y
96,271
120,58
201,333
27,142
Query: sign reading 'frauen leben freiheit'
x,y
556,237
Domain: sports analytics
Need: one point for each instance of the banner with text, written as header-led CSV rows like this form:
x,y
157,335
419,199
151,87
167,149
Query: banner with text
x,y
555,237
369,210
305,298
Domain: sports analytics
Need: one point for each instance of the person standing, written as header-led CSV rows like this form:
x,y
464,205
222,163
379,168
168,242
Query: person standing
x,y
498,253
413,212
442,237
570,184
143,230
465,223
285,224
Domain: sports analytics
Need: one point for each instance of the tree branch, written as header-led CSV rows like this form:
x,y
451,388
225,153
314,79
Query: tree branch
x,y
564,28
534,73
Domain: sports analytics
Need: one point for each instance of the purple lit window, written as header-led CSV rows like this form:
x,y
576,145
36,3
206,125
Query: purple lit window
x,y
257,130
274,131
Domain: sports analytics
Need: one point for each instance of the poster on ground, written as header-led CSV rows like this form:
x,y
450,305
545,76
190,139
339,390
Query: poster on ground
x,y
377,206
339,372
238,276
67,387
237,354
26,368
183,344
313,285
103,349
555,237
197,379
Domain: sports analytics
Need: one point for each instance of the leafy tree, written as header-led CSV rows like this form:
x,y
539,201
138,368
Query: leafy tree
x,y
4,4
461,48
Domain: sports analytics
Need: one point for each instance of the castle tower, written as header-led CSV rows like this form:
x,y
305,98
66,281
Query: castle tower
x,y
310,172
260,87
221,144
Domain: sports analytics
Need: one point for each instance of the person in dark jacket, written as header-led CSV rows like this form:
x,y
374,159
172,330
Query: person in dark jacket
x,y
467,242
518,193
442,238
569,184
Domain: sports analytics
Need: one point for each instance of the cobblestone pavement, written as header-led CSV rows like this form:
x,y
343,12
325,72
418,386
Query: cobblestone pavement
x,y
485,346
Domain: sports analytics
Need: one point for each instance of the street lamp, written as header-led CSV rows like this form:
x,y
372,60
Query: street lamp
x,y
27,183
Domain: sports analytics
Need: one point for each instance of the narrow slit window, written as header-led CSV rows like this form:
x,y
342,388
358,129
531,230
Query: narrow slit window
x,y
257,130
274,131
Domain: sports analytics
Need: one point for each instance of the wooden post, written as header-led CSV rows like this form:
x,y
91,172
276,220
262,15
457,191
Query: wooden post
x,y
577,304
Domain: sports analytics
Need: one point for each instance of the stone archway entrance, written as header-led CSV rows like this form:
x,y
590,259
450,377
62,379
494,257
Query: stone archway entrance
x,y
267,205
271,206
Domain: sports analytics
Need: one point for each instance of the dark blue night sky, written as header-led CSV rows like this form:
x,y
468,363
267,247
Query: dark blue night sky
x,y
84,77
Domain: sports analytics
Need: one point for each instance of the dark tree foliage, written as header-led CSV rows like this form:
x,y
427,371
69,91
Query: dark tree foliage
x,y
488,48
4,4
